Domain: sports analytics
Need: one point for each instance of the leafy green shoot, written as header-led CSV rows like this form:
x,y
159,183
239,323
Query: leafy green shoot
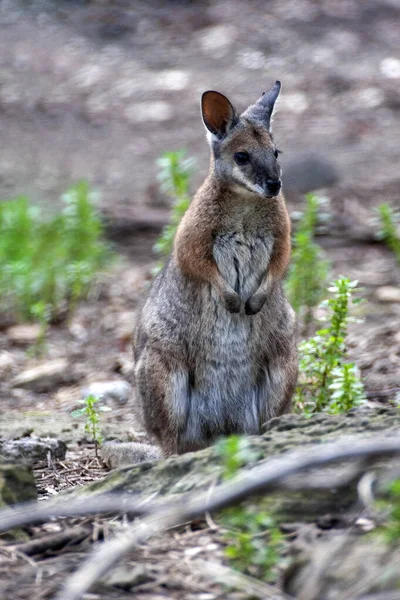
x,y
174,176
308,271
390,506
48,265
235,452
254,542
390,227
326,380
91,412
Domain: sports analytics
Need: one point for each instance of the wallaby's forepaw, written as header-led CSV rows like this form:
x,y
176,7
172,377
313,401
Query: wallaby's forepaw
x,y
120,454
232,301
254,304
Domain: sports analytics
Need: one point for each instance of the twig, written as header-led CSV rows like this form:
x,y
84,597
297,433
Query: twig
x,y
392,595
260,479
237,580
34,512
30,513
54,541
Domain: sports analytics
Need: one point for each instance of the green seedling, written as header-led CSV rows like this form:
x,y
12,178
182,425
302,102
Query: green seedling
x,y
326,380
47,265
91,412
174,177
390,224
308,272
254,543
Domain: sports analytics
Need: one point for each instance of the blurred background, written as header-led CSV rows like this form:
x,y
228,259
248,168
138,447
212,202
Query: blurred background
x,y
98,90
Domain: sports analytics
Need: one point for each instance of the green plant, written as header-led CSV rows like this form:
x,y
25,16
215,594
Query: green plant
x,y
254,541
40,312
174,177
326,380
46,265
92,418
389,233
308,272
390,507
235,452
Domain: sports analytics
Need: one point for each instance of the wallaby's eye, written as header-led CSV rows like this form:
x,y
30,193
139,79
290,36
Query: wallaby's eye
x,y
241,158
277,152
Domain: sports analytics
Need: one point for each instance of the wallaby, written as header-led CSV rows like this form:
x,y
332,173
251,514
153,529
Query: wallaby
x,y
214,348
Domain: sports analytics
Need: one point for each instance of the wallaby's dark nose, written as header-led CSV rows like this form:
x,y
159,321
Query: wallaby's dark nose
x,y
274,185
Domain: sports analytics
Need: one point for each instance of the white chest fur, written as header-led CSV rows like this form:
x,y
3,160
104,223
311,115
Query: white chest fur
x,y
242,260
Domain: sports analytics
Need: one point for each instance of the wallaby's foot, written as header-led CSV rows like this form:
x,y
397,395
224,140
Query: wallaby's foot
x,y
254,304
120,454
232,301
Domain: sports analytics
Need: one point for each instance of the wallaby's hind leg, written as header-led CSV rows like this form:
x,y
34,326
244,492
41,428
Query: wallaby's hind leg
x,y
163,392
278,384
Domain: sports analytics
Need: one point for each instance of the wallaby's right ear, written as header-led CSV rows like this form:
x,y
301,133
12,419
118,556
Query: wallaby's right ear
x,y
218,114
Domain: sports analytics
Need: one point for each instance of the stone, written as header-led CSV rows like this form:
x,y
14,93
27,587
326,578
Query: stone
x,y
17,484
32,449
335,566
46,376
200,470
23,335
388,293
124,578
109,391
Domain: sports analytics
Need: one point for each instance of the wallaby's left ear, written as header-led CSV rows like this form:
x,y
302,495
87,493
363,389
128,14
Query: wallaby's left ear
x,y
263,109
218,114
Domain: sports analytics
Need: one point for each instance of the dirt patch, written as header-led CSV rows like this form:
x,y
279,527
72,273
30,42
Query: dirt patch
x,y
98,90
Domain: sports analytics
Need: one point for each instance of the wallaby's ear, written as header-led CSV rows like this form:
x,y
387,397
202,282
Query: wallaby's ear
x,y
218,113
263,109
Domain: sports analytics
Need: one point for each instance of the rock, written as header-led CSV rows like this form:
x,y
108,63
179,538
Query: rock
x,y
23,335
30,450
388,293
109,391
307,173
127,578
46,376
17,484
334,568
201,470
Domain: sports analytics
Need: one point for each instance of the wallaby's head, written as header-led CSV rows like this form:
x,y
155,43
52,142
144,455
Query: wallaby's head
x,y
243,149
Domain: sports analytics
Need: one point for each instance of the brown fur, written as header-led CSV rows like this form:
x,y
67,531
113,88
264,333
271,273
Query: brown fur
x,y
215,345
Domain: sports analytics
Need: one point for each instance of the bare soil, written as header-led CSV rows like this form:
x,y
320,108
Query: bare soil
x,y
97,90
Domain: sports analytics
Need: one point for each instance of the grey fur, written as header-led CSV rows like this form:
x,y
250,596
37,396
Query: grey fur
x,y
238,364
214,346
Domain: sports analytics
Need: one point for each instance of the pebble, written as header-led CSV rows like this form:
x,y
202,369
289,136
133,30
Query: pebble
x,y
23,335
118,390
45,377
149,111
388,293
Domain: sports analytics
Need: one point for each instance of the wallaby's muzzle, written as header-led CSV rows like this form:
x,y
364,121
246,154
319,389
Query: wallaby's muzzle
x,y
273,187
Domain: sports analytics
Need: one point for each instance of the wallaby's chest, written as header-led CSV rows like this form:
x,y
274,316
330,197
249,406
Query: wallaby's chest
x,y
243,259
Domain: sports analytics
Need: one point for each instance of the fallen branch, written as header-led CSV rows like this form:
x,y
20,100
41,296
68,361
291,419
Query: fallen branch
x,y
53,542
29,513
192,506
238,581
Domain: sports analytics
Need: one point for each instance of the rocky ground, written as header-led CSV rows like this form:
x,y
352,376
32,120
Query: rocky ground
x,y
97,90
